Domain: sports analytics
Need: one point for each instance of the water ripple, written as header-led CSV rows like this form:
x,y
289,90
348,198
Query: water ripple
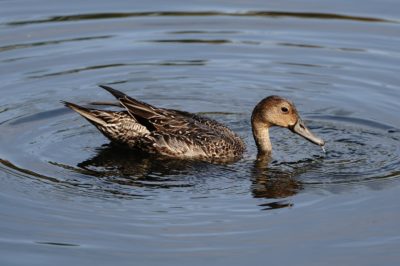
x,y
44,43
64,188
269,14
358,151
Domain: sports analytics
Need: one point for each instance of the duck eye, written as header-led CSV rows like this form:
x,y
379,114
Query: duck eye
x,y
284,109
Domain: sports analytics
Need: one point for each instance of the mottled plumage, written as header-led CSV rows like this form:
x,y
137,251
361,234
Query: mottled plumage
x,y
184,135
164,132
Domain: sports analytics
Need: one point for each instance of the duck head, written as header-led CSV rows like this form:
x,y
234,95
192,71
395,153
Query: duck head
x,y
277,111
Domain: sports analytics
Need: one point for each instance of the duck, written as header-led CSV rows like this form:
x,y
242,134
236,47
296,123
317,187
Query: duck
x,y
182,135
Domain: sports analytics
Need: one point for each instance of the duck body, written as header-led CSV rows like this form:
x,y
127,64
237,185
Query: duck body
x,y
164,132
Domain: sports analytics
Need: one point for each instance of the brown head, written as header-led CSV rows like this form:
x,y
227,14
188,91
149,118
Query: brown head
x,y
277,111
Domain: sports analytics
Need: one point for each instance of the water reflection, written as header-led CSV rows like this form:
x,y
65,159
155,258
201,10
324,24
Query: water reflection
x,y
274,183
126,167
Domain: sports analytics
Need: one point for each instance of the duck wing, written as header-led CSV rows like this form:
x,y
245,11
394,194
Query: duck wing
x,y
208,122
168,121
180,134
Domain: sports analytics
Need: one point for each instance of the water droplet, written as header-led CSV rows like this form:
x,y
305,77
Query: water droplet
x,y
323,148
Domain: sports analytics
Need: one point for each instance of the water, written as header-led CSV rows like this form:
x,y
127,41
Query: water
x,y
67,197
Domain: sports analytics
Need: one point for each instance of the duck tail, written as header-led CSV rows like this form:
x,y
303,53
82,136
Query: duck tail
x,y
133,106
116,93
87,113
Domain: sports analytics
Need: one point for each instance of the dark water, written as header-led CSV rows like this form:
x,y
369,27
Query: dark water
x,y
67,197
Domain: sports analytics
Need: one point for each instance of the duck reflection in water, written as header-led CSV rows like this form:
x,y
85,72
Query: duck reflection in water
x,y
269,182
126,167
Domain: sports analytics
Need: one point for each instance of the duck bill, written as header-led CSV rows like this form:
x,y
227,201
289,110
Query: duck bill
x,y
300,129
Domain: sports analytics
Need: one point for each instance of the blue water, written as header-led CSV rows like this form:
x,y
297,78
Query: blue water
x,y
68,197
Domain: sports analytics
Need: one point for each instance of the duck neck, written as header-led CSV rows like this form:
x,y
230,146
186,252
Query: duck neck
x,y
261,136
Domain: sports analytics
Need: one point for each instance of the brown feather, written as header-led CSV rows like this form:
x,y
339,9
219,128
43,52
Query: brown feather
x,y
166,132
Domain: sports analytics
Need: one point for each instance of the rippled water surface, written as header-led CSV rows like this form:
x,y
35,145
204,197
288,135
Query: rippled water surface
x,y
68,197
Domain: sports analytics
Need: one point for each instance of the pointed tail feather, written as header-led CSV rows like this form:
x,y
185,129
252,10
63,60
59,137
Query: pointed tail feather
x,y
86,113
133,106
116,93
